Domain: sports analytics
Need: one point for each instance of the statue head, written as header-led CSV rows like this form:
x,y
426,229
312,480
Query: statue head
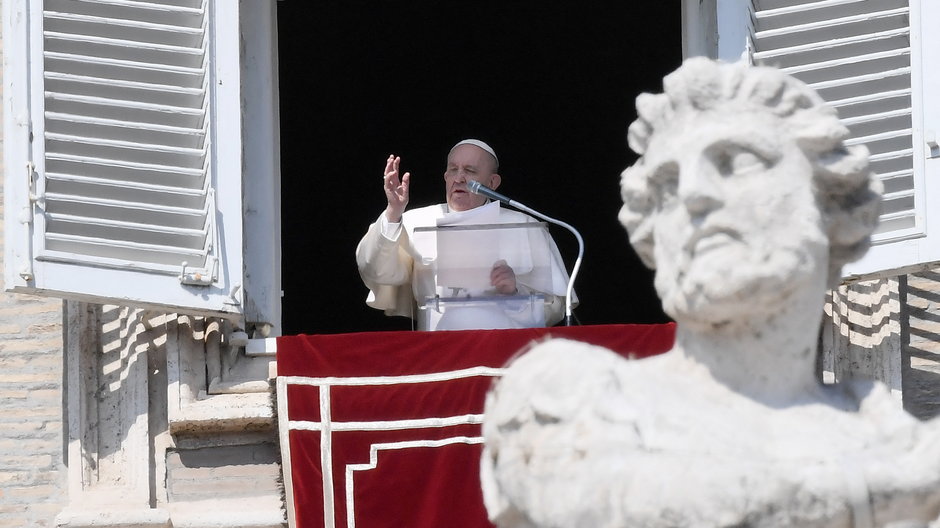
x,y
744,190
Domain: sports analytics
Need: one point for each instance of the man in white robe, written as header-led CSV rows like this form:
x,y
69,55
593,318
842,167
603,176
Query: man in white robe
x,y
399,273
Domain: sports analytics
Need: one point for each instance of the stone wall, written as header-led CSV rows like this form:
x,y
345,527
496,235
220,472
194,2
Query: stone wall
x,y
32,474
920,327
150,445
889,330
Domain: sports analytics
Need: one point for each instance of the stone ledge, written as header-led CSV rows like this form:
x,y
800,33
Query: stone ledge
x,y
142,518
225,412
218,516
160,518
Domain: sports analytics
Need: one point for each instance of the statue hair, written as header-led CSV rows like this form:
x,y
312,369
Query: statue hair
x,y
847,192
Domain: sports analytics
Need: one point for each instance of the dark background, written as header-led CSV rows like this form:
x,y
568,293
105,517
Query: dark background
x,y
550,85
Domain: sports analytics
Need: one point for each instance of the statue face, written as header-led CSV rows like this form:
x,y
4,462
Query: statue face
x,y
736,226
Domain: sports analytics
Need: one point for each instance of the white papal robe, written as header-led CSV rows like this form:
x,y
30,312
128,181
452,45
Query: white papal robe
x,y
399,276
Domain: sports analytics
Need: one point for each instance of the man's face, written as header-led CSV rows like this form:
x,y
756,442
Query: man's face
x,y
736,225
465,163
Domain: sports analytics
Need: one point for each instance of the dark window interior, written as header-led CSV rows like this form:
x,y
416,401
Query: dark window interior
x,y
550,85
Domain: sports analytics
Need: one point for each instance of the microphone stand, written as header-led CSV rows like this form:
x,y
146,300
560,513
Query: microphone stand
x,y
478,188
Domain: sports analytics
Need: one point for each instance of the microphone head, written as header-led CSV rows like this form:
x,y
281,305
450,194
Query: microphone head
x,y
478,188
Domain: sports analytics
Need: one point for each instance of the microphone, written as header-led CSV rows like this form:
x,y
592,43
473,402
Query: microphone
x,y
478,188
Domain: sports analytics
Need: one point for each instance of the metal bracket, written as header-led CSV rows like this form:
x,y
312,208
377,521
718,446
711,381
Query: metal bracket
x,y
34,197
930,137
233,299
26,217
198,276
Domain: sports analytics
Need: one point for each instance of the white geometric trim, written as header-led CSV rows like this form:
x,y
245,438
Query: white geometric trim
x,y
326,458
395,380
374,461
385,425
326,426
284,436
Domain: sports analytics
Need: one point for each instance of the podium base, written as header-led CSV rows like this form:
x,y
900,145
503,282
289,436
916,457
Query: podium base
x,y
482,313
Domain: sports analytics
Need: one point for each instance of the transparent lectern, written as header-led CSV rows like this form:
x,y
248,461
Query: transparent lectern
x,y
452,280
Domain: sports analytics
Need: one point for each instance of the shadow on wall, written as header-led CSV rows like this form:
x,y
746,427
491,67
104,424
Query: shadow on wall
x,y
115,348
863,337
921,338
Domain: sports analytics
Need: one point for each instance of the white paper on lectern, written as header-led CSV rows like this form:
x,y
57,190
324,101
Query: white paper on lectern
x,y
466,257
471,242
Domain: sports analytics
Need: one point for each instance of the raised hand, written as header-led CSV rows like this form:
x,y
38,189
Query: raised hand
x,y
396,190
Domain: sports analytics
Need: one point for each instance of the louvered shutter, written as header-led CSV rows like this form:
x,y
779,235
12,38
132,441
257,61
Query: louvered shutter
x,y
122,151
872,60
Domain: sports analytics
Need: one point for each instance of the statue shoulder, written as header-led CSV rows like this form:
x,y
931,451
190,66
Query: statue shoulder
x,y
562,381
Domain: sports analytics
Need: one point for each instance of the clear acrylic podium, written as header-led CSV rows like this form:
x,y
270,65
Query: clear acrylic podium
x,y
452,279
491,312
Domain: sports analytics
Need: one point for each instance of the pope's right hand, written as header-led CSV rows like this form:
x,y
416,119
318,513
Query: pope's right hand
x,y
396,190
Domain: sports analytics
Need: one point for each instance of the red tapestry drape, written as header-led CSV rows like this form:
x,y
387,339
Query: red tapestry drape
x,y
382,429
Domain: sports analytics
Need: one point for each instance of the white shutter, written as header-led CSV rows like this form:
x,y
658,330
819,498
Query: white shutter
x,y
123,151
873,61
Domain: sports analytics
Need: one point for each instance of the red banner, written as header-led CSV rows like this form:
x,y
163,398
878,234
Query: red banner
x,y
382,429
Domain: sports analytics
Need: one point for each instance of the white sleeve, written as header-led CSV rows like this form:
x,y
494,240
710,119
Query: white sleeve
x,y
390,230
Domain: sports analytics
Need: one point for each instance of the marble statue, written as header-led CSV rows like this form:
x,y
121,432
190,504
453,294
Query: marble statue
x,y
747,202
